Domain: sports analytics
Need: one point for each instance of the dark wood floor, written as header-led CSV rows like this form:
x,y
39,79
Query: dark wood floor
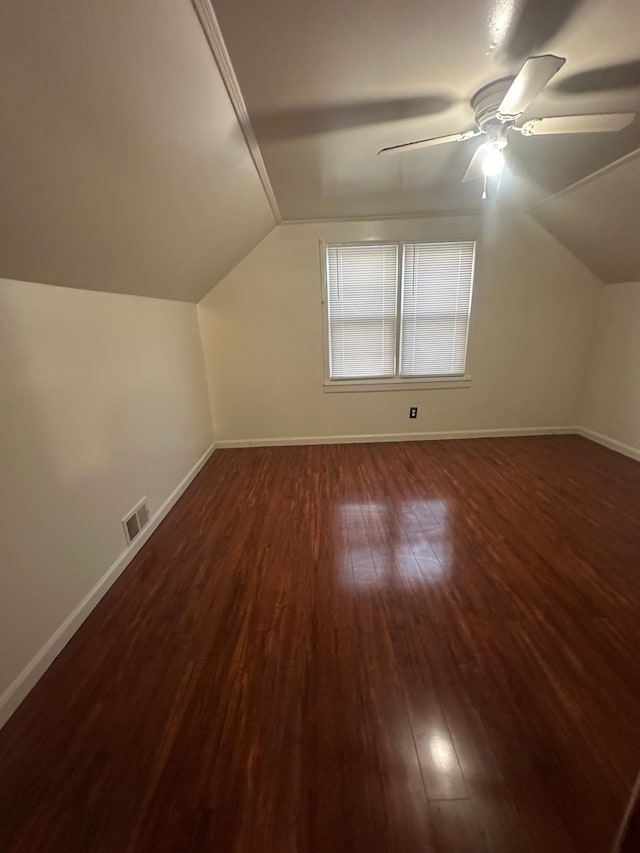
x,y
629,836
395,647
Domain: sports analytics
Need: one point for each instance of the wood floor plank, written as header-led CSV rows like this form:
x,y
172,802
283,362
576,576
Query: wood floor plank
x,y
456,827
424,647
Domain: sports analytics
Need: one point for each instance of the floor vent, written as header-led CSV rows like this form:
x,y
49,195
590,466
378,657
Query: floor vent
x,y
135,520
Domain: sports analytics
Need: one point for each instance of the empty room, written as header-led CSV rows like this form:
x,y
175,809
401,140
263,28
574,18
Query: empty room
x,y
320,426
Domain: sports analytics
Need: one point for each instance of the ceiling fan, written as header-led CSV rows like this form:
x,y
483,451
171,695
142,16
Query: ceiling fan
x,y
499,105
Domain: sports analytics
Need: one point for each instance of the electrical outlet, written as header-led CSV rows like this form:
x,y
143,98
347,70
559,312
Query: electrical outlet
x,y
413,412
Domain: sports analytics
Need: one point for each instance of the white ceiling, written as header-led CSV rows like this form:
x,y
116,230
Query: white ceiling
x,y
122,164
598,220
328,84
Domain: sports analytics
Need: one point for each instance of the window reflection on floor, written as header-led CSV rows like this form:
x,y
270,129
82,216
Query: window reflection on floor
x,y
384,543
442,752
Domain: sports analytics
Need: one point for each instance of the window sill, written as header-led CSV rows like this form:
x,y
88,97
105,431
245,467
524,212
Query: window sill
x,y
332,386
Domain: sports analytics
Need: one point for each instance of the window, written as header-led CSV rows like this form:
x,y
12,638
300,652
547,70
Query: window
x,y
398,311
362,289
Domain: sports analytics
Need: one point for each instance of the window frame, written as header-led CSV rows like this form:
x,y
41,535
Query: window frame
x,y
398,382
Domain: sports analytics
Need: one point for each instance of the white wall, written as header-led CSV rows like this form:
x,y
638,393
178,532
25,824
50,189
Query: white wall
x,y
533,316
611,405
102,400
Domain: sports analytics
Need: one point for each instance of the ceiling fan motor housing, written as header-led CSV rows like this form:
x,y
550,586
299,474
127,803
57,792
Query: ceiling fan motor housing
x,y
486,104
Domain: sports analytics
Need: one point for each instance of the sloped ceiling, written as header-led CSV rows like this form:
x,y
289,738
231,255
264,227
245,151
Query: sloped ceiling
x,y
598,220
328,84
122,164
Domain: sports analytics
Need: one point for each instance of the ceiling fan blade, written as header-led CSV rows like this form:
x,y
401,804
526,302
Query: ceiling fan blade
x,y
427,143
474,169
530,81
606,123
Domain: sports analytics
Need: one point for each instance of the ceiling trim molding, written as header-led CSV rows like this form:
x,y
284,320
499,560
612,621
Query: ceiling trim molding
x,y
211,27
610,167
384,217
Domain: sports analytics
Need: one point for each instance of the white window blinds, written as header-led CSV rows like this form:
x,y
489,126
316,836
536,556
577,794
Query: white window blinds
x,y
437,281
362,293
391,320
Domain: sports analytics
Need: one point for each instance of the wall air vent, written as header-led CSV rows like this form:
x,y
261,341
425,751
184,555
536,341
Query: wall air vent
x,y
134,521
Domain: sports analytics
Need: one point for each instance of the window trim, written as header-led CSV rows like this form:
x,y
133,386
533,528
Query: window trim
x,y
419,384
399,382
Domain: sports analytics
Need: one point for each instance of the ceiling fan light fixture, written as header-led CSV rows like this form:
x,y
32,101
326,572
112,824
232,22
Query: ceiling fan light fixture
x,y
493,162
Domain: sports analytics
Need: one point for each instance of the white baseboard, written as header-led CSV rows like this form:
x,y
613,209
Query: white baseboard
x,y
611,443
37,666
399,436
508,432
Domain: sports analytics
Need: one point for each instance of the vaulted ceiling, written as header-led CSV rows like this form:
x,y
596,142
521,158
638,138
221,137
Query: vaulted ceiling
x,y
124,165
598,220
